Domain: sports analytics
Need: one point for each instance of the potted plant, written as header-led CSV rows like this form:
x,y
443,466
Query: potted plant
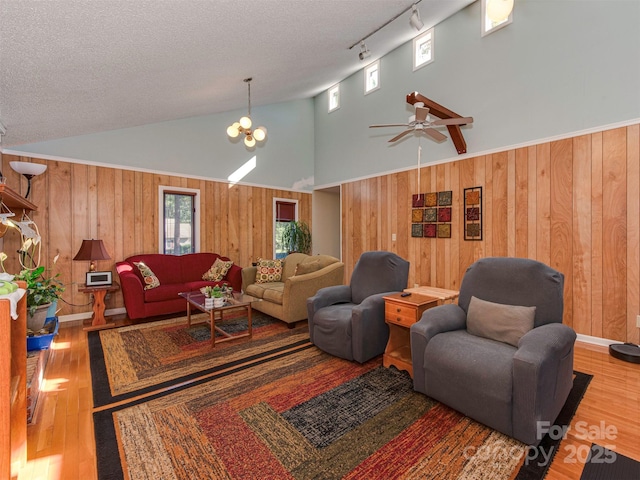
x,y
296,237
42,291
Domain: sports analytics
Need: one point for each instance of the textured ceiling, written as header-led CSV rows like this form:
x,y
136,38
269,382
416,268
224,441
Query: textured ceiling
x,y
70,67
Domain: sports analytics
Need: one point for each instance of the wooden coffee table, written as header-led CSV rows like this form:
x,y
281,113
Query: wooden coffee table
x,y
237,301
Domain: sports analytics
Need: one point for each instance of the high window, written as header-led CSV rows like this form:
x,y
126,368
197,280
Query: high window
x,y
179,218
372,77
334,98
284,211
423,49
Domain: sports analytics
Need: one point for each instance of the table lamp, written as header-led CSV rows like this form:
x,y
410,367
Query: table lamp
x,y
92,250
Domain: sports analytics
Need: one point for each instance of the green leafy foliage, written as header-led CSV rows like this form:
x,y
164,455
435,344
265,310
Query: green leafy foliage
x,y
296,237
41,289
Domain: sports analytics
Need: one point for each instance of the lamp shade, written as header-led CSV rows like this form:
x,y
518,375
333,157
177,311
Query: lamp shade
x,y
26,168
91,250
499,10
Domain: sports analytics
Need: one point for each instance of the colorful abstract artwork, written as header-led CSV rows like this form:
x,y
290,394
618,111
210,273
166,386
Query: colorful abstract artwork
x,y
431,214
473,213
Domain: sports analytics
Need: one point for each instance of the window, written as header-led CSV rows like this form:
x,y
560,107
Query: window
x,y
334,98
489,26
423,49
179,218
372,77
284,211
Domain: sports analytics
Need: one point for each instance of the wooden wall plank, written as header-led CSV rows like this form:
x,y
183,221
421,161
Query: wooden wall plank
x,y
614,229
596,235
521,210
543,204
633,233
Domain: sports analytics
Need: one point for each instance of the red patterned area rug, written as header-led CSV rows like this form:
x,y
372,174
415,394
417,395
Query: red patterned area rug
x,y
130,361
304,414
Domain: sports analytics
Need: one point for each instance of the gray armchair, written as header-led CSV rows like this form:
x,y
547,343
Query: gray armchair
x,y
348,320
509,387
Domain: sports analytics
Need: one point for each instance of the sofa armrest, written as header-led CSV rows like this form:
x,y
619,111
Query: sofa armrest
x,y
132,290
234,277
542,377
370,331
298,288
443,318
248,276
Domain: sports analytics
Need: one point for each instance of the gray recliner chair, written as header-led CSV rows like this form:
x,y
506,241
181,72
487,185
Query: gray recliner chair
x,y
348,320
484,361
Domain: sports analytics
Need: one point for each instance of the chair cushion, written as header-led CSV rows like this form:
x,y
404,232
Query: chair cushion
x,y
149,278
504,323
274,293
307,267
217,271
268,271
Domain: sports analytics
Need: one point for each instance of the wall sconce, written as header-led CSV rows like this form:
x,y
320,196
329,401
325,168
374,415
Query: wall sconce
x,y
28,170
499,10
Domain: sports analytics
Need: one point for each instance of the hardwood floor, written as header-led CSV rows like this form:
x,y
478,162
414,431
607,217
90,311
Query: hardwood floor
x,y
61,443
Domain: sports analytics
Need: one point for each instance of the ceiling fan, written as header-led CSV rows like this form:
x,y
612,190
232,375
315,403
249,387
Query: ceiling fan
x,y
421,122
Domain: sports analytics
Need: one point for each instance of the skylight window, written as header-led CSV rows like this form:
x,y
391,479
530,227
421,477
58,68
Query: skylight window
x,y
423,49
334,98
372,77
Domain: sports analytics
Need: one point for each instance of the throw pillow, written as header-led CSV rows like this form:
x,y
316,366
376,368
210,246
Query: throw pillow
x,y
307,267
269,271
217,271
504,323
149,278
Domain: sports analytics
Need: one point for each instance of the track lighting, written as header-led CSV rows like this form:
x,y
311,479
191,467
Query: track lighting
x,y
414,20
364,51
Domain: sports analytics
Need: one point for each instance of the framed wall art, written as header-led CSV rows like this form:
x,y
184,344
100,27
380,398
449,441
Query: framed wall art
x,y
473,214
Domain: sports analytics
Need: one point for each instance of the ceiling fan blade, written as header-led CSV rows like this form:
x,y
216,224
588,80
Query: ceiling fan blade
x,y
399,136
389,125
453,121
436,135
421,114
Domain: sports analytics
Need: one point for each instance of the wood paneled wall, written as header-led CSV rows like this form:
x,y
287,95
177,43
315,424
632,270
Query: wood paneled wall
x,y
573,204
77,201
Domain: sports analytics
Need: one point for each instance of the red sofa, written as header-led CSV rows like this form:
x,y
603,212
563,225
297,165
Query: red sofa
x,y
176,273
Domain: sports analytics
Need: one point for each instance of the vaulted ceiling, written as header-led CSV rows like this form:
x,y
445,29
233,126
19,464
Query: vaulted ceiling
x,y
71,67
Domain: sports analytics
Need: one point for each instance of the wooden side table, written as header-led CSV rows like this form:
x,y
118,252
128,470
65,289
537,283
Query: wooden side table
x,y
400,313
98,321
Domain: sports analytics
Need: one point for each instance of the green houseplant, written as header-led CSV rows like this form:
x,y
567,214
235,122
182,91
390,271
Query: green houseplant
x,y
296,237
42,290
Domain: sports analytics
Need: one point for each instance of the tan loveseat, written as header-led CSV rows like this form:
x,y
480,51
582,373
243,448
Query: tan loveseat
x,y
287,299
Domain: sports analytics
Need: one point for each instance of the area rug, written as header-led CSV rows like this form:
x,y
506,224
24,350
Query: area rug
x,y
302,414
130,361
605,464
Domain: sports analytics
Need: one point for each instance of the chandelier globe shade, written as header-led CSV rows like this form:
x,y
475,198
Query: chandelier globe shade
x,y
245,123
499,10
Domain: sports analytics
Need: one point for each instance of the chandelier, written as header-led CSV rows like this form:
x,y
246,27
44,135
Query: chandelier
x,y
244,125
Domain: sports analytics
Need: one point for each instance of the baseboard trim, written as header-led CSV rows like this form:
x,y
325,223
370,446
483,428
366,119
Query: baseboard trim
x,y
603,342
86,315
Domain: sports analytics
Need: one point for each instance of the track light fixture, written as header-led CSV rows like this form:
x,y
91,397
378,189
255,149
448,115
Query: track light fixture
x,y
414,20
364,51
244,125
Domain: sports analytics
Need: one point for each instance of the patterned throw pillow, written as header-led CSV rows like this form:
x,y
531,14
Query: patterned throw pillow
x,y
269,271
217,271
150,279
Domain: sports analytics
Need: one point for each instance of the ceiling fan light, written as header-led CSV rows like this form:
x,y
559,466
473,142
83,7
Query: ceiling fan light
x,y
245,122
233,131
260,134
499,10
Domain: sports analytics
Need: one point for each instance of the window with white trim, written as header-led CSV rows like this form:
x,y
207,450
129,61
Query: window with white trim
x,y
423,49
284,211
179,215
334,98
487,25
372,77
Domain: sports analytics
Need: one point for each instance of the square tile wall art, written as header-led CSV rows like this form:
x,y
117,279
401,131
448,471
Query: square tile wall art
x,y
473,214
431,214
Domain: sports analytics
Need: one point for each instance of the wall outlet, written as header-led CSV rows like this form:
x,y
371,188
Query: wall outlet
x,y
638,321
416,285
393,237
